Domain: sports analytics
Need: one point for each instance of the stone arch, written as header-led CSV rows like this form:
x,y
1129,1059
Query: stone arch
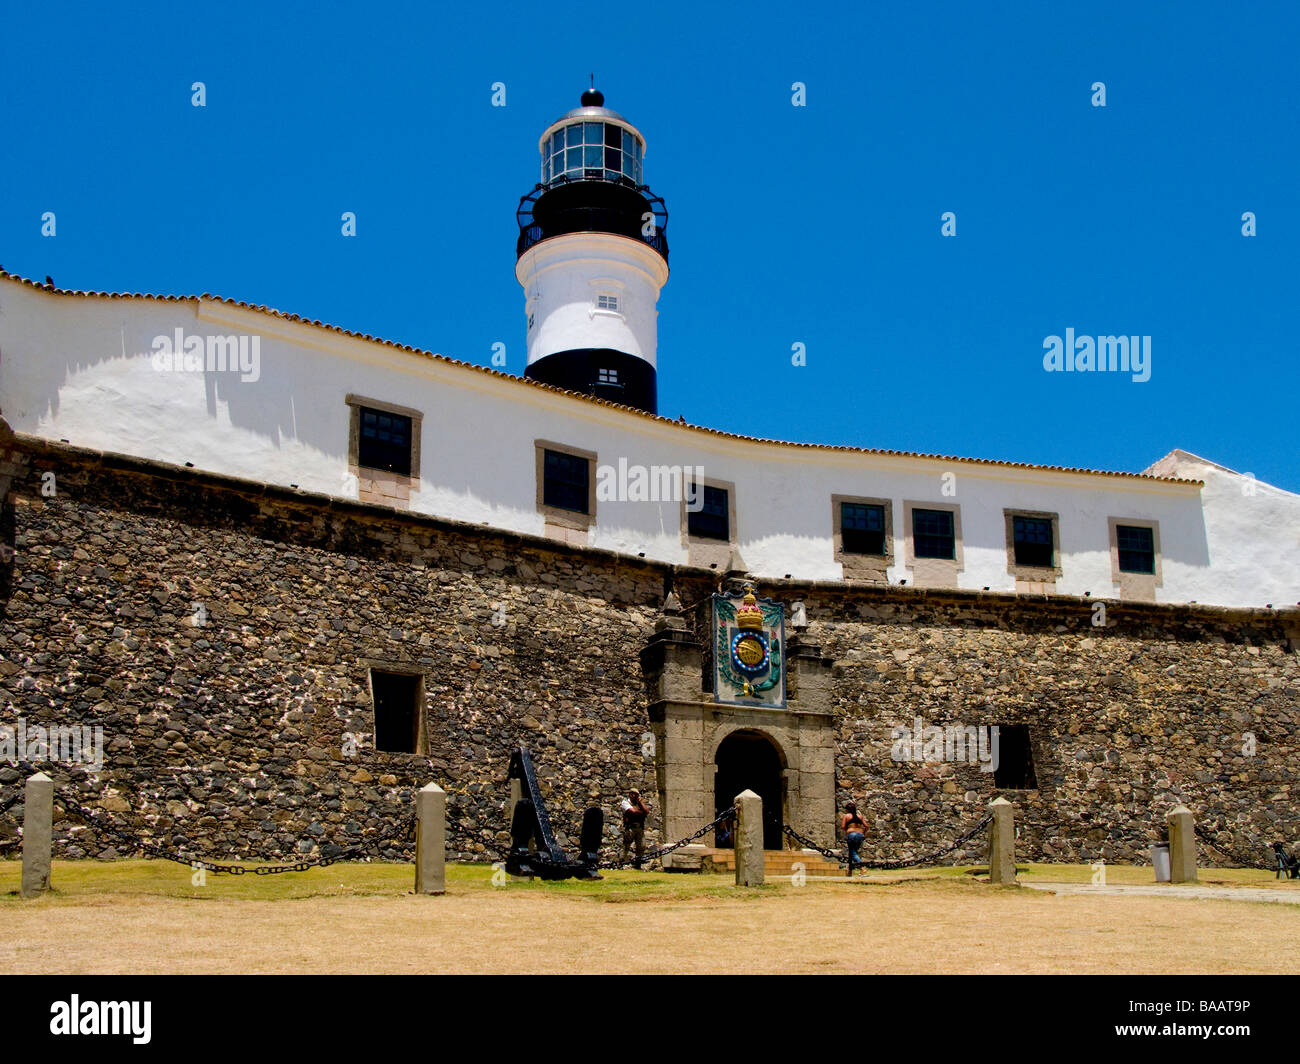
x,y
721,734
751,758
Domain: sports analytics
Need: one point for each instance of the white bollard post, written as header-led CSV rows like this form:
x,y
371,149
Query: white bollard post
x,y
38,835
431,840
1002,842
749,840
1182,845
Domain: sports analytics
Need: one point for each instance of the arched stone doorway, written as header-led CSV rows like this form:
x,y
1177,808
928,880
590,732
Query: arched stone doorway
x,y
750,760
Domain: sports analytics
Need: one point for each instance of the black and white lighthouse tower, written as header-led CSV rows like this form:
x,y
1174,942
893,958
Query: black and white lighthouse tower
x,y
592,258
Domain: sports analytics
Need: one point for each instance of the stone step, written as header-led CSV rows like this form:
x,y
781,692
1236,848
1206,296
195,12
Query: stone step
x,y
775,862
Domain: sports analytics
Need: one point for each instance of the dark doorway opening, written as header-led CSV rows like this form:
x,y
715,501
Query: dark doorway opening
x,y
748,760
397,711
1015,767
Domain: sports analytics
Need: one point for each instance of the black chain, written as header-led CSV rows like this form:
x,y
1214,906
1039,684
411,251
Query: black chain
x,y
466,835
663,850
910,862
1114,833
404,828
1204,836
808,844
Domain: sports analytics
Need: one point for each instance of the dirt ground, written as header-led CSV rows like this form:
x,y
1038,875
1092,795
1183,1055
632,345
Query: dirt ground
x,y
364,922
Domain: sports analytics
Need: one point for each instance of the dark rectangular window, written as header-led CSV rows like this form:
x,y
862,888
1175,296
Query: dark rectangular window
x,y
714,521
1137,549
385,441
932,535
566,480
397,711
1033,541
862,528
1015,768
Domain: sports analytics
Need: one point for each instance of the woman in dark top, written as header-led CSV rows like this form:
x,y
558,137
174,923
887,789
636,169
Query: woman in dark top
x,y
855,832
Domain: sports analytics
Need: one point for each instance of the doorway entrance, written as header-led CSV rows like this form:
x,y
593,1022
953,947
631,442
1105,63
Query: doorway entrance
x,y
749,760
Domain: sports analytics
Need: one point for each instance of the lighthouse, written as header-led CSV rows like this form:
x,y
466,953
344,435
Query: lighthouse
x,y
592,257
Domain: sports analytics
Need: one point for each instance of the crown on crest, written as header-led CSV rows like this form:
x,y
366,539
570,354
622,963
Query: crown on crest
x,y
750,614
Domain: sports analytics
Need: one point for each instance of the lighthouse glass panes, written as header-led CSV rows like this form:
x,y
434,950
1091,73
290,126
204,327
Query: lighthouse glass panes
x,y
932,534
1033,541
385,441
862,528
566,481
598,151
1137,550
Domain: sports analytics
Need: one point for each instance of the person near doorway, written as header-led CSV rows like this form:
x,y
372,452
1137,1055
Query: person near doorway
x,y
635,812
855,833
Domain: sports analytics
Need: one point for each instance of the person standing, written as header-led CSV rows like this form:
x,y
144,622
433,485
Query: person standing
x,y
855,832
635,812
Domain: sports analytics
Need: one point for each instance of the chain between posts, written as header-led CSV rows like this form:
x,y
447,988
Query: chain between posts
x,y
466,835
404,828
1204,836
910,862
662,850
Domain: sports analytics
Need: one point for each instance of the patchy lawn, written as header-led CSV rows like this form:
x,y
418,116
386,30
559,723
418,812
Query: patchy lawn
x,y
146,916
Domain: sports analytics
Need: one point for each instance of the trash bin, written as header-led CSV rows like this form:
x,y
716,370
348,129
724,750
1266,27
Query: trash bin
x,y
1160,861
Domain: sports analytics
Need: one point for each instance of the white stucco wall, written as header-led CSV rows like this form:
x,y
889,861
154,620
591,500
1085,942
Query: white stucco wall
x,y
1252,533
82,369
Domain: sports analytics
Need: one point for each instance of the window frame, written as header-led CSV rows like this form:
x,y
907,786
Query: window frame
x,y
932,572
706,551
951,535
862,566
608,288
394,449
695,515
382,485
1042,577
1137,587
557,519
1150,548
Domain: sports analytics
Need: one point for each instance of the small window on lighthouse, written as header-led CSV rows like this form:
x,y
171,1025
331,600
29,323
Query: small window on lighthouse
x,y
607,302
607,376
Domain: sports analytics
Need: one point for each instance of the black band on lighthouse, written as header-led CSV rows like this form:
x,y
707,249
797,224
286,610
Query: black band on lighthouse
x,y
603,373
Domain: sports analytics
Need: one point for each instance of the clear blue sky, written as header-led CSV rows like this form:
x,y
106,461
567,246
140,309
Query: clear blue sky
x,y
818,225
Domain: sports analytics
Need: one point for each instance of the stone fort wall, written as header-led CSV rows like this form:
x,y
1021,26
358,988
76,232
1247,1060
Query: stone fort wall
x,y
228,736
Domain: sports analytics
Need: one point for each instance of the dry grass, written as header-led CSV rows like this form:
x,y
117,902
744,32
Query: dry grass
x,y
135,916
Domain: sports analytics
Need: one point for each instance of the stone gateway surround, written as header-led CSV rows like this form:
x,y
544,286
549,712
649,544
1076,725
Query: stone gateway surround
x,y
223,633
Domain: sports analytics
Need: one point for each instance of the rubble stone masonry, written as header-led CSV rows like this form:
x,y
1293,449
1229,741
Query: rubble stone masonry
x,y
222,634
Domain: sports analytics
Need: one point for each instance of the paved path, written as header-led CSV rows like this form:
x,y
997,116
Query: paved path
x,y
1283,895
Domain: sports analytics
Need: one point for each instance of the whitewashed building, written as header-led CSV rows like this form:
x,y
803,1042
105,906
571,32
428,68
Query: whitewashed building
x,y
574,450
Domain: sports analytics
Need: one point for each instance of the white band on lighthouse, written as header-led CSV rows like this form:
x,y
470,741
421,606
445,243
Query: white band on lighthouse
x,y
563,279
